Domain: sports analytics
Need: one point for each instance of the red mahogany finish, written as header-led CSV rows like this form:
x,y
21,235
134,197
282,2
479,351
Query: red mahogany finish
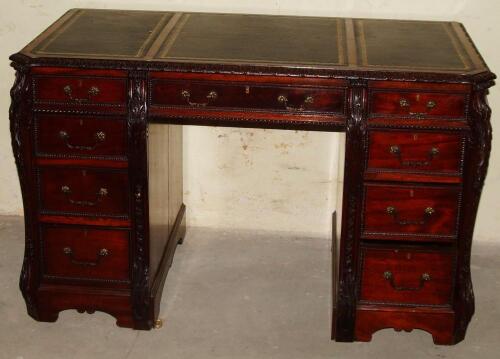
x,y
80,136
417,104
86,254
248,101
371,319
415,151
67,90
410,211
93,192
258,96
94,114
406,276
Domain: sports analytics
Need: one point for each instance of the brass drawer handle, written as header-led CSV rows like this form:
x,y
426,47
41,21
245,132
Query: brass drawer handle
x,y
425,277
283,100
103,192
93,91
404,103
396,151
99,138
393,212
431,104
101,254
212,95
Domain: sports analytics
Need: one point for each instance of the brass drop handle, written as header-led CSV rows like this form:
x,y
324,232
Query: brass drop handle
x,y
101,254
93,91
396,151
138,194
404,103
393,212
282,99
99,137
425,277
431,104
211,96
101,193
434,151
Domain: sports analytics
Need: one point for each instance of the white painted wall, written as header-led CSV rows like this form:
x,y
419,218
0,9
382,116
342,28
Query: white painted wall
x,y
261,179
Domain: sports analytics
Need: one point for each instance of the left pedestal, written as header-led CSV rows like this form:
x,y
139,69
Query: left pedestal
x,y
100,233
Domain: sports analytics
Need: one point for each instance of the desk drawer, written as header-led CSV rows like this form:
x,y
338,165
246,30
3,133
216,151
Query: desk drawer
x,y
414,151
84,192
417,104
85,253
63,135
80,90
406,276
279,97
407,211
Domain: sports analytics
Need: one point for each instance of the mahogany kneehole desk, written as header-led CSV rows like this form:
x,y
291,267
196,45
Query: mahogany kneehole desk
x,y
100,162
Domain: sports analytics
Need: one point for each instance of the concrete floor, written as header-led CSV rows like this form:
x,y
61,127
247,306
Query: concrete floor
x,y
235,295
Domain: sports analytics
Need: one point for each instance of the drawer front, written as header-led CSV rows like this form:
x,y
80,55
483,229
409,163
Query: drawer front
x,y
417,104
206,94
84,192
398,212
85,253
80,90
63,135
415,152
406,276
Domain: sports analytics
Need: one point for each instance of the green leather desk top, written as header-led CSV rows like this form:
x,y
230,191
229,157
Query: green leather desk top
x,y
293,41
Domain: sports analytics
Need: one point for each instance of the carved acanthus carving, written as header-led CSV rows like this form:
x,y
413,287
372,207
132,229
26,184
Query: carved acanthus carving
x,y
479,148
20,127
480,140
137,132
355,139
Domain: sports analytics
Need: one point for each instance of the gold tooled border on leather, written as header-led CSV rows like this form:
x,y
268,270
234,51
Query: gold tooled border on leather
x,y
163,54
363,53
40,47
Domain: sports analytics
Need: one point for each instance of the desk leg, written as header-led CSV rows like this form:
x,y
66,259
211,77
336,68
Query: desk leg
x,y
477,159
21,127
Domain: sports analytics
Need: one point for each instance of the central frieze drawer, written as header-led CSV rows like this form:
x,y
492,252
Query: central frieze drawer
x,y
82,136
410,212
85,253
206,94
405,276
414,151
82,191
